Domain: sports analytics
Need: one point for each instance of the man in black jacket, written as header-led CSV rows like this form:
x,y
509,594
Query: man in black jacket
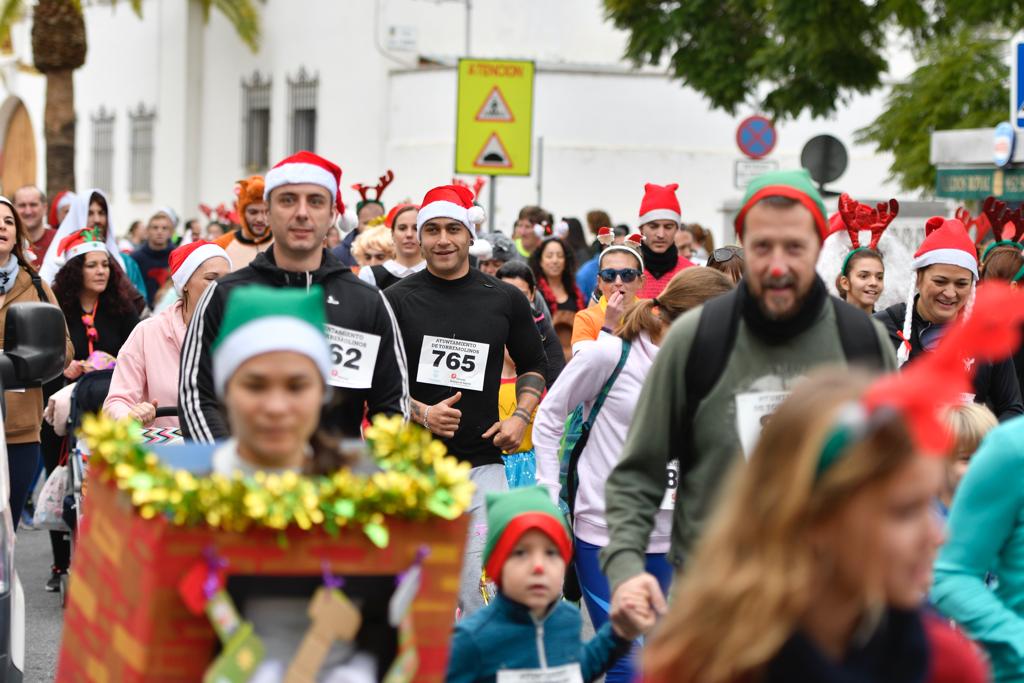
x,y
369,371
947,270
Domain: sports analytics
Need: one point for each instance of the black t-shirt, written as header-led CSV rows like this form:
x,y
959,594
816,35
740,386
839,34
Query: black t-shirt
x,y
113,330
478,309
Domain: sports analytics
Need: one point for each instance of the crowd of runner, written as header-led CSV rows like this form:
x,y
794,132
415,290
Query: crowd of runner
x,y
740,475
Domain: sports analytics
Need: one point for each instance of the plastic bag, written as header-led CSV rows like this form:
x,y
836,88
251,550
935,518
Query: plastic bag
x,y
50,508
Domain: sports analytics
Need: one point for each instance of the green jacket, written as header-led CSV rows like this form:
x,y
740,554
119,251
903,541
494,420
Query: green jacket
x,y
637,485
986,535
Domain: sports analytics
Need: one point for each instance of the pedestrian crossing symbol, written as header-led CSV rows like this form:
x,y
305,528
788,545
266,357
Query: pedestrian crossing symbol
x,y
495,108
493,154
494,117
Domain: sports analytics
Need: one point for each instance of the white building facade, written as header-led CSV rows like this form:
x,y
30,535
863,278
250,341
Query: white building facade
x,y
172,111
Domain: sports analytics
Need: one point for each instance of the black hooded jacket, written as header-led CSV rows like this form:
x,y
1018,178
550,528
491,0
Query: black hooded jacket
x,y
350,303
995,384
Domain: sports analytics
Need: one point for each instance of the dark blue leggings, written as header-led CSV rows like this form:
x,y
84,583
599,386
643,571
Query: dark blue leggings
x,y
22,464
598,598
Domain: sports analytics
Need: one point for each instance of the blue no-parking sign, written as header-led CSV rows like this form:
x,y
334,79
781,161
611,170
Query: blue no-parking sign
x,y
1017,86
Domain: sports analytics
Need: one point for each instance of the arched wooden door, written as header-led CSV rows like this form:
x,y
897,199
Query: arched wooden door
x,y
19,152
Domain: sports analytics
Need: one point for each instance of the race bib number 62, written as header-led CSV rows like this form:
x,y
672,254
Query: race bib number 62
x,y
453,363
353,357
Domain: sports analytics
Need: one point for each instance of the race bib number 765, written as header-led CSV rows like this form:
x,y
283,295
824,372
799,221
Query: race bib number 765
x,y
453,363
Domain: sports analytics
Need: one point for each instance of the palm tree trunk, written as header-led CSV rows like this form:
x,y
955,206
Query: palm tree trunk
x,y
59,130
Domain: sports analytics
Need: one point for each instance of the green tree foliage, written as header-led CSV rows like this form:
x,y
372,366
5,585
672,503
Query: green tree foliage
x,y
961,83
787,57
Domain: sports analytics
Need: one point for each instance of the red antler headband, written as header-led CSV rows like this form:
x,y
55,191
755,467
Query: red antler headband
x,y
478,185
378,189
1007,225
857,217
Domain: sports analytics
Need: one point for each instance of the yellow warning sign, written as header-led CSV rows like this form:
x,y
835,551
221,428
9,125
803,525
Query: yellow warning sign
x,y
494,122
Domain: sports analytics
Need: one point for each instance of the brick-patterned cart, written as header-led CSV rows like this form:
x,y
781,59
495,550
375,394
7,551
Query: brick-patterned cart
x,y
126,622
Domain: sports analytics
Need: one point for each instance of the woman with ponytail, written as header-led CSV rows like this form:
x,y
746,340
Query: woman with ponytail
x,y
946,267
606,376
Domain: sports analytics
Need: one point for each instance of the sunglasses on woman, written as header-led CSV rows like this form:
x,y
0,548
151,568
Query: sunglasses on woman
x,y
723,254
627,274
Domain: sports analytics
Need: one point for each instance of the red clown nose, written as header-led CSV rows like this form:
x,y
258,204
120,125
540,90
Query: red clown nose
x,y
777,272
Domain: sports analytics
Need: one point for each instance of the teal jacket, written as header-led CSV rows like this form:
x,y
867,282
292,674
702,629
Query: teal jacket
x,y
986,534
504,635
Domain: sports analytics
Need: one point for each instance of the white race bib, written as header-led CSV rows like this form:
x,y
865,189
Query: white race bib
x,y
353,357
753,410
672,472
452,363
570,673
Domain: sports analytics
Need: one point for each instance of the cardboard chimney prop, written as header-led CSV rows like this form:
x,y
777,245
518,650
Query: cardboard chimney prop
x,y
155,533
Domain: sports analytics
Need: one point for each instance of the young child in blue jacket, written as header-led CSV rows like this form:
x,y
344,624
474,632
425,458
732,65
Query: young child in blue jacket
x,y
527,632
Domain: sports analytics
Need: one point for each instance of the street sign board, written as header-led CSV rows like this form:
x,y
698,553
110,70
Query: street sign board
x,y
746,170
756,136
1017,85
979,183
494,121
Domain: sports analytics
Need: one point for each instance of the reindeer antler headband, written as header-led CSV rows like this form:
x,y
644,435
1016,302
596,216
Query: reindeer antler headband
x,y
857,217
378,189
1007,225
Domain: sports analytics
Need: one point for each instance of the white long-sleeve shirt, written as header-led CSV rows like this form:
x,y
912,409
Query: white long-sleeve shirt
x,y
580,382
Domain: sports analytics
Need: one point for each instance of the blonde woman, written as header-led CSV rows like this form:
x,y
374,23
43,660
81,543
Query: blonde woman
x,y
373,247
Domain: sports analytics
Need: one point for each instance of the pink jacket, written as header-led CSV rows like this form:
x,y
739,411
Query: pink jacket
x,y
580,382
147,366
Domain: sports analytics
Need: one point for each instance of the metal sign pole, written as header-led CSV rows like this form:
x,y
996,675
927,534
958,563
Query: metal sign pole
x,y
540,171
491,210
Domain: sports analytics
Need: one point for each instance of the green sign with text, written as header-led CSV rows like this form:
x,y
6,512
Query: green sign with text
x,y
979,183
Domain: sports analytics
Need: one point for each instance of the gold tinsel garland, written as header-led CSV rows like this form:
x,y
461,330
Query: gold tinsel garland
x,y
417,480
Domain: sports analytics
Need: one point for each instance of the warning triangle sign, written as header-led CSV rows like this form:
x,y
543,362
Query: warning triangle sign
x,y
493,154
495,108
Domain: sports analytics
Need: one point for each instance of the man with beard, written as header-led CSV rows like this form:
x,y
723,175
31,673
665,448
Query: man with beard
x,y
254,236
659,221
721,370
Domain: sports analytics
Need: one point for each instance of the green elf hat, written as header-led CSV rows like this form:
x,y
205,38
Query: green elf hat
x,y
796,184
512,514
260,320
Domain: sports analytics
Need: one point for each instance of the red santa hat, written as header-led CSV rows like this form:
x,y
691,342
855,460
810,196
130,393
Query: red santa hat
x,y
947,243
80,242
186,259
660,204
305,167
450,201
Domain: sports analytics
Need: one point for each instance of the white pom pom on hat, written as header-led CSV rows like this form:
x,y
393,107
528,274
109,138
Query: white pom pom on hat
x,y
476,214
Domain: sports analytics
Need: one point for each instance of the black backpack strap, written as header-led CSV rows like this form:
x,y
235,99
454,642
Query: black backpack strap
x,y
712,344
857,335
38,283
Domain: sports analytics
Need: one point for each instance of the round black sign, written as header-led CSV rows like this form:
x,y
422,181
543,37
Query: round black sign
x,y
825,158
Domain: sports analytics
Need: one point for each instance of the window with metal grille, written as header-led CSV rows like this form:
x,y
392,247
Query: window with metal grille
x,y
140,167
256,123
103,150
302,110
